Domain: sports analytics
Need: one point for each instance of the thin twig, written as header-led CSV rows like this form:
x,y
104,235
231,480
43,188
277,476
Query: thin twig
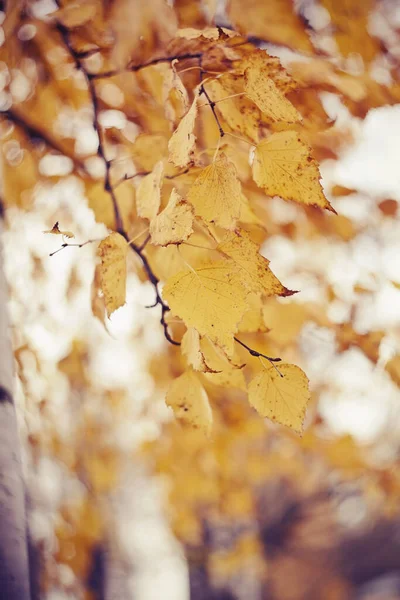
x,y
150,63
211,104
68,245
255,352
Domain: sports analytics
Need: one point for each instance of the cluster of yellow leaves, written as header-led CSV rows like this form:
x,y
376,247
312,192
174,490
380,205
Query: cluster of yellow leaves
x,y
231,127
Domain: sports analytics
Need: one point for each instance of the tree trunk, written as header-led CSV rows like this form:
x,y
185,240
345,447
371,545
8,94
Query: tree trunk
x,y
14,570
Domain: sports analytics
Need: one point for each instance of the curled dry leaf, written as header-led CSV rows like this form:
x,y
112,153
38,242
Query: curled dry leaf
x,y
174,224
211,298
216,193
189,401
283,166
57,231
281,394
112,271
253,268
182,141
148,196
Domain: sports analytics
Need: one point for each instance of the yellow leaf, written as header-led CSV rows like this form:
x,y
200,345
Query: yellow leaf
x,y
226,372
349,20
281,397
175,96
99,200
253,268
148,149
191,349
210,298
284,167
148,197
393,368
112,270
76,14
253,319
272,20
98,304
247,215
174,224
216,193
182,141
264,93
189,401
239,113
57,231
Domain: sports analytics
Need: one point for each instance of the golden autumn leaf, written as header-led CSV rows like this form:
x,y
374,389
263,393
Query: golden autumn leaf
x,y
283,166
273,20
112,270
189,401
253,319
281,394
182,141
261,89
57,231
238,112
210,298
226,372
191,349
349,19
176,100
97,300
76,14
100,202
148,196
216,193
253,268
174,224
393,368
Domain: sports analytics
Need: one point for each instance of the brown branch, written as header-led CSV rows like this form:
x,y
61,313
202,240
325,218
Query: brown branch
x,y
212,104
35,133
150,63
138,250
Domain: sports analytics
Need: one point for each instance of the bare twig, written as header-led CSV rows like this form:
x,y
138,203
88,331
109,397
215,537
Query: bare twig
x,y
150,63
255,352
211,104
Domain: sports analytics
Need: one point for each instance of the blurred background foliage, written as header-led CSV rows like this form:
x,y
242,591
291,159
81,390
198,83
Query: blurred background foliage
x,y
123,501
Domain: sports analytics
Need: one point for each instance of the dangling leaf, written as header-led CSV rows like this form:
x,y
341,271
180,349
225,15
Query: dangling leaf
x,y
112,270
281,394
174,224
210,298
252,267
182,141
189,401
191,348
262,90
216,193
148,197
283,166
57,231
226,372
